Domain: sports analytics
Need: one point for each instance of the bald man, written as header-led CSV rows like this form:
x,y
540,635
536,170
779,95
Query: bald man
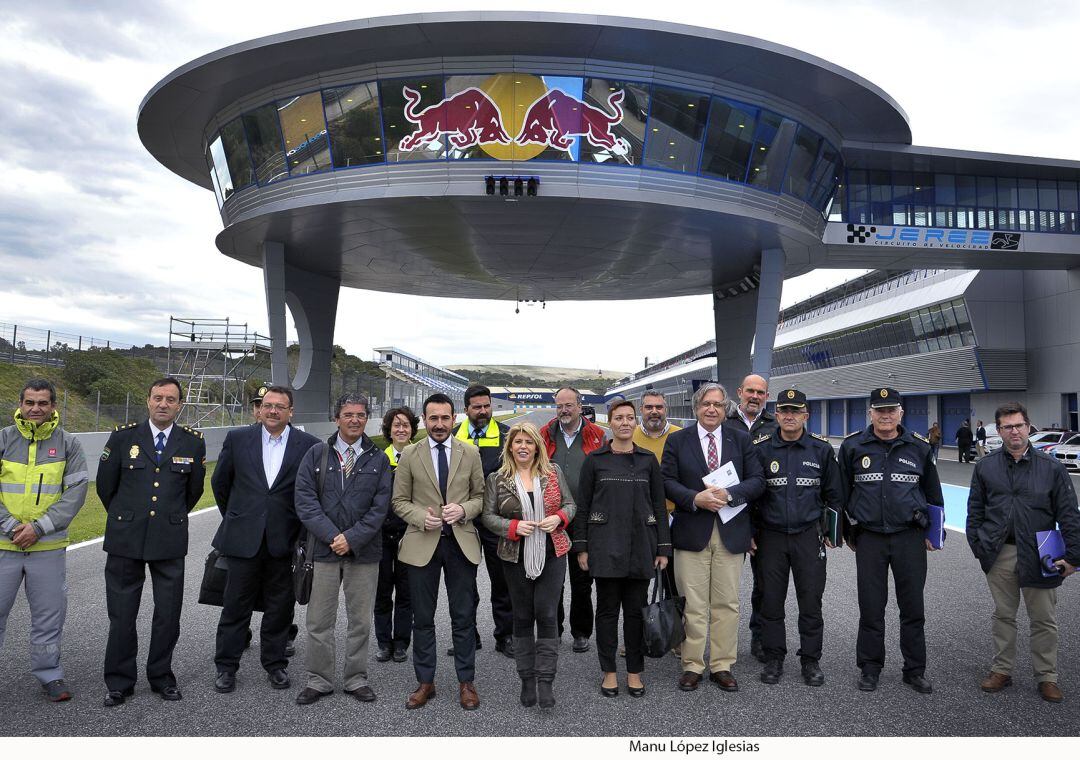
x,y
753,418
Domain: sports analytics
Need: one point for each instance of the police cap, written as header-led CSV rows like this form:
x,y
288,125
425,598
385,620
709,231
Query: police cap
x,y
256,400
791,398
883,397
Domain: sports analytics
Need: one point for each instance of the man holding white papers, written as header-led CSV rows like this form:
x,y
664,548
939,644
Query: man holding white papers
x,y
1016,492
802,481
711,532
889,479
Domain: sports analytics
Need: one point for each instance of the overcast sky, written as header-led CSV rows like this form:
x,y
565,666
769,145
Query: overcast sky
x,y
98,238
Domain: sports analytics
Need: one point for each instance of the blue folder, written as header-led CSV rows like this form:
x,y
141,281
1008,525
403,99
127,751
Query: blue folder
x,y
1051,549
935,531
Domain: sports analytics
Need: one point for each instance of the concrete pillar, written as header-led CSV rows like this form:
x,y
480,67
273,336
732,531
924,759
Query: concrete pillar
x,y
312,301
770,288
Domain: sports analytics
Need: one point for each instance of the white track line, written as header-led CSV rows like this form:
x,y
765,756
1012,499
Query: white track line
x,y
99,539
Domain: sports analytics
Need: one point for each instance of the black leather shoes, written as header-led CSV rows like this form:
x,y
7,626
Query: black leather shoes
x,y
581,644
279,679
635,691
612,691
868,681
401,654
362,694
114,698
168,693
811,673
385,654
309,696
919,683
757,648
225,683
506,646
772,672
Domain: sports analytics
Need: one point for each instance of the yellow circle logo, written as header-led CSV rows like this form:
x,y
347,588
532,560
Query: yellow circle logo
x,y
866,463
774,467
791,394
884,392
513,94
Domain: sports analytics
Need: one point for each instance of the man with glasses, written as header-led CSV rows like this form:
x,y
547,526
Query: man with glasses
x,y
711,533
253,483
1016,492
802,480
569,438
889,480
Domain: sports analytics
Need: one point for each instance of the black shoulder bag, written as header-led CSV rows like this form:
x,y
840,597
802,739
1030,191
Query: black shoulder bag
x,y
303,557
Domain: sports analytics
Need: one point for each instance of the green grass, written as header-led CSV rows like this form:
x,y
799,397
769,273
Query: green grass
x,y
90,522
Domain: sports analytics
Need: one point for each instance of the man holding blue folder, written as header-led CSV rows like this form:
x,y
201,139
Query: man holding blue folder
x,y
1017,492
890,480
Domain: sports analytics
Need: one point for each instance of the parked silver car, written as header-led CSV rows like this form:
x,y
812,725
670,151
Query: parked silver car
x,y
1068,453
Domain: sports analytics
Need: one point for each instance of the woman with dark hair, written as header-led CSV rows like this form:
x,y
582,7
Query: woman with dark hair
x,y
623,532
527,503
393,613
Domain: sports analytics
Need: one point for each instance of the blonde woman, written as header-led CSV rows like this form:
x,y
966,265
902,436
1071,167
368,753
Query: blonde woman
x,y
527,503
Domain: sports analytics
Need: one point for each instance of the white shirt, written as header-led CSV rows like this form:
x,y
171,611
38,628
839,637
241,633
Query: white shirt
x,y
749,422
273,453
569,437
154,433
718,436
435,455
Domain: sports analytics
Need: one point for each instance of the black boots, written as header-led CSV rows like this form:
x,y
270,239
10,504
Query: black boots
x,y
525,656
547,659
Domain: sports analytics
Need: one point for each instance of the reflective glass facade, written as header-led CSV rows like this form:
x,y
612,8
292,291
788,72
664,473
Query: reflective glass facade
x,y
945,325
914,199
523,117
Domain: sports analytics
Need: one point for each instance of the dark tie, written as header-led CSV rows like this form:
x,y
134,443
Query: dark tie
x,y
444,476
160,447
476,437
714,460
350,461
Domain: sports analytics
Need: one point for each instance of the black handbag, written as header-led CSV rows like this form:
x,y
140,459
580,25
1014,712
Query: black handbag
x,y
212,588
303,556
662,619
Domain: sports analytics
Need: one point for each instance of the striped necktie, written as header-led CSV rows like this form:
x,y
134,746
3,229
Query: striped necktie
x,y
350,461
160,446
714,460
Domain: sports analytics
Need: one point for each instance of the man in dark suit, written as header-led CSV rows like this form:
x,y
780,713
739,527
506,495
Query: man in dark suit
x,y
150,476
253,484
711,533
439,491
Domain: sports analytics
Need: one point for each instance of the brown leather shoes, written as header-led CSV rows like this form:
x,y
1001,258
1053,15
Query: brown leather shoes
x,y
724,680
995,682
467,695
420,697
1049,691
689,681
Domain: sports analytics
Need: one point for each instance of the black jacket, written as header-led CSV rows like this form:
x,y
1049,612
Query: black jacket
x,y
765,424
964,437
251,508
356,510
1028,496
148,501
801,479
622,521
888,484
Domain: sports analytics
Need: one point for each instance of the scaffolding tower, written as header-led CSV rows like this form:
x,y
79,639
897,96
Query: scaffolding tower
x,y
214,359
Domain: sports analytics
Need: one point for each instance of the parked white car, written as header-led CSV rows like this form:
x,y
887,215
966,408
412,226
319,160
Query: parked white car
x,y
1068,453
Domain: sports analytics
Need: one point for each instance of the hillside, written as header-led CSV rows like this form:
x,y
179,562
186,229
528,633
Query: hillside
x,y
538,377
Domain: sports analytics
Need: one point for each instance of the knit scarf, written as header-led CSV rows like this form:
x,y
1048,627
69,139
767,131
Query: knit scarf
x,y
532,508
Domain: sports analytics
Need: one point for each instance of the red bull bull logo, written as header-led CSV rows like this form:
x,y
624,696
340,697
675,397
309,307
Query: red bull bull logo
x,y
540,117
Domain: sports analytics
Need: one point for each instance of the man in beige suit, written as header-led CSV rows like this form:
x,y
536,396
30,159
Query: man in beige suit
x,y
438,491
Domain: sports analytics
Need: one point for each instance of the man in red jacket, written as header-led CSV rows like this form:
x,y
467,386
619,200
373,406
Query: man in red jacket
x,y
569,439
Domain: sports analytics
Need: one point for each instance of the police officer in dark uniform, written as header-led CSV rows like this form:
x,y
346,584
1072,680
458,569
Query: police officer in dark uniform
x,y
488,435
150,476
802,479
889,480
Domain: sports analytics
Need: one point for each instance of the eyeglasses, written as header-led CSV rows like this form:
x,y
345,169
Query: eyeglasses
x,y
712,405
1014,428
562,407
354,416
275,407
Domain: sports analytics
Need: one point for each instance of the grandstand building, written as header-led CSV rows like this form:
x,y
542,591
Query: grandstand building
x,y
955,343
410,379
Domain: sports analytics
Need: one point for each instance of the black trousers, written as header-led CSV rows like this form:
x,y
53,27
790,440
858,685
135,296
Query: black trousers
x,y
393,609
756,595
124,580
802,556
875,554
630,594
581,607
245,578
502,614
460,578
535,602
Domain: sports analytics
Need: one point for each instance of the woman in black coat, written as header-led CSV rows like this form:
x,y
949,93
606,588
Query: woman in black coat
x,y
622,529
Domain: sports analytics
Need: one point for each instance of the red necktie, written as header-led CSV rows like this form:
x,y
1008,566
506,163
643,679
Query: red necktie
x,y
714,460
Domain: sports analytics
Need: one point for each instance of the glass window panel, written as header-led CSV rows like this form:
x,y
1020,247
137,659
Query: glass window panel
x,y
1006,192
1048,195
880,186
827,175
224,185
729,140
772,144
352,120
857,186
213,176
264,140
629,135
413,119
303,127
965,191
987,190
676,126
236,154
902,187
1067,196
804,153
944,189
1028,194
924,188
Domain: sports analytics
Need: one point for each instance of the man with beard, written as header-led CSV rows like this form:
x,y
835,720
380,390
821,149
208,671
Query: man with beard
x,y
651,435
752,416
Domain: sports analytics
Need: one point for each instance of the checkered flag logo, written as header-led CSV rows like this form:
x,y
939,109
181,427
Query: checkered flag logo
x,y
859,233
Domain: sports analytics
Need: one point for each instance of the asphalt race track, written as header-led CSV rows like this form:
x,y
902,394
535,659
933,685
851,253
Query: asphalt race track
x,y
958,639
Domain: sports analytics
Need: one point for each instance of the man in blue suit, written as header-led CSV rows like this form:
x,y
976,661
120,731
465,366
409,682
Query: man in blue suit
x,y
711,533
253,484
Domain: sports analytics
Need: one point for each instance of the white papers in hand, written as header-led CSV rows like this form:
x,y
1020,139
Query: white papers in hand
x,y
723,476
727,513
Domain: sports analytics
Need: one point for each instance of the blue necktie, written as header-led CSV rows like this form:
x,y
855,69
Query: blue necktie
x,y
444,476
160,447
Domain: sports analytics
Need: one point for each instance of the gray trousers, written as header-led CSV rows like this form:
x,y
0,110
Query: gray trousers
x,y
46,593
359,582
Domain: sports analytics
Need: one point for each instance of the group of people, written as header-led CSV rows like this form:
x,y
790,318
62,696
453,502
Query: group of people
x,y
612,511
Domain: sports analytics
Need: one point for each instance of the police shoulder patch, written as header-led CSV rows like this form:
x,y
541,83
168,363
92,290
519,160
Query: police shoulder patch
x,y
851,434
193,431
819,437
105,453
125,426
762,438
921,437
